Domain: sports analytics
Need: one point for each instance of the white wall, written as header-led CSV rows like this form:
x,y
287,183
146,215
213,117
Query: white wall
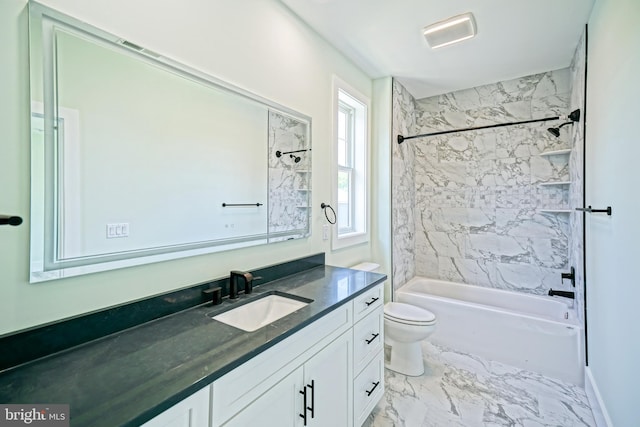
x,y
381,176
612,179
255,44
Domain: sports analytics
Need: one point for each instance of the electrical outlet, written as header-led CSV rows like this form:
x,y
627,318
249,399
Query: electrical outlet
x,y
325,232
117,230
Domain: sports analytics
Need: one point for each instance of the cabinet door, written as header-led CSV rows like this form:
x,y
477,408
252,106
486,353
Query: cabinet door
x,y
280,406
328,381
191,412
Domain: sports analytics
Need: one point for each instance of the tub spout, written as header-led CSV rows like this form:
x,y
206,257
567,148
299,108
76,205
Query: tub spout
x,y
565,294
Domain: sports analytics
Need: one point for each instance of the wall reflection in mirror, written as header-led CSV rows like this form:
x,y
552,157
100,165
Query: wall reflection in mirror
x,y
137,158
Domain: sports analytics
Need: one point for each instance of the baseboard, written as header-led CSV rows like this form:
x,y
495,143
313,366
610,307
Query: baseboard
x,y
598,408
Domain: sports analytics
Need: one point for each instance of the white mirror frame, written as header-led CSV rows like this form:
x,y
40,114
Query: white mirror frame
x,y
46,264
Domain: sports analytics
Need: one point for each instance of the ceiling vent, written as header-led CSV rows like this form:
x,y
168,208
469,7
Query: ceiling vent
x,y
452,30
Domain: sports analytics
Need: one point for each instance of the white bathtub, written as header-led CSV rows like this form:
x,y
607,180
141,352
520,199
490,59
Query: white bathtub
x,y
537,333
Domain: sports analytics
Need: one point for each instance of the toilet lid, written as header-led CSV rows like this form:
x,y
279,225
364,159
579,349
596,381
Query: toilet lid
x,y
407,313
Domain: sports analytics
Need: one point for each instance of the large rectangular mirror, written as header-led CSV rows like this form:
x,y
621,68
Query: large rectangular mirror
x,y
137,158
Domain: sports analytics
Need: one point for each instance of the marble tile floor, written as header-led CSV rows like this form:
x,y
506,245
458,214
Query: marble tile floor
x,y
463,390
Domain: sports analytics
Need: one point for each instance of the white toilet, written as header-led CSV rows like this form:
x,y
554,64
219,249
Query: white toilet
x,y
405,326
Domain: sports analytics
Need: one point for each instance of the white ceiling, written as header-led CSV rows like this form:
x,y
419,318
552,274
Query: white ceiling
x,y
515,38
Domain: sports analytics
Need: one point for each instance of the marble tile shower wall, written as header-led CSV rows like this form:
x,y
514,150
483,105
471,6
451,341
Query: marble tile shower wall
x,y
403,193
479,196
289,182
576,169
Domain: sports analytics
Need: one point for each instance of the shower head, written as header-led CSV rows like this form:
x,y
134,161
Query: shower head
x,y
296,159
556,131
574,116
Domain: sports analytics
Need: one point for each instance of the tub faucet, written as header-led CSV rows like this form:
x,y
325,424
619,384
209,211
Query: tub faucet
x,y
571,276
565,294
233,283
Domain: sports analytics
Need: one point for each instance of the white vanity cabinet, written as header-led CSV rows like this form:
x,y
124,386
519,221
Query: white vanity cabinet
x,y
276,407
368,356
325,345
315,394
327,378
191,412
328,374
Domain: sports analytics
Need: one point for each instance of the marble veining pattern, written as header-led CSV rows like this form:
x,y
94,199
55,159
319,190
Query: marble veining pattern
x,y
576,164
289,182
479,197
464,390
403,188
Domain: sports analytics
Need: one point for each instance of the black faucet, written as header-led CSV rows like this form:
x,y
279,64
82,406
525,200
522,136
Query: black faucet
x,y
571,276
565,294
233,283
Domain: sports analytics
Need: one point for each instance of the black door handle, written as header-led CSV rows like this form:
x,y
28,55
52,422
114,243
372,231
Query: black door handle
x,y
10,220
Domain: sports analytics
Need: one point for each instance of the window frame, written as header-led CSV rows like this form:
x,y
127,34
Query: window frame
x,y
360,107
348,167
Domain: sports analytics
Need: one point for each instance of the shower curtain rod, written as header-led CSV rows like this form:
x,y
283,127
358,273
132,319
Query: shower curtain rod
x,y
401,138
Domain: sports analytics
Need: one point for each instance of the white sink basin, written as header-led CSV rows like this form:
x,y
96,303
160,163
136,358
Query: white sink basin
x,y
254,315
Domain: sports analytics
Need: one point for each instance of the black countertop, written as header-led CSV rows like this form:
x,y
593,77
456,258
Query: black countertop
x,y
129,377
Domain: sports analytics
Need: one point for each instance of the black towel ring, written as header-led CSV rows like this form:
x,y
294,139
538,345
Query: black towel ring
x,y
325,207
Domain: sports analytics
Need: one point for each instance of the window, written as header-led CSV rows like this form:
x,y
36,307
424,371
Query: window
x,y
350,168
346,168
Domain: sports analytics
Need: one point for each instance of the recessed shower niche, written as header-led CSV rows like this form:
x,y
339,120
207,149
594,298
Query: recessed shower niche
x,y
137,158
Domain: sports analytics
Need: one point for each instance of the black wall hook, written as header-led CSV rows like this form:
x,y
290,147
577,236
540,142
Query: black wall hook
x,y
10,220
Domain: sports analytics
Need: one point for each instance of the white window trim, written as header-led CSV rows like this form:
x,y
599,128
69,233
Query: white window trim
x,y
363,236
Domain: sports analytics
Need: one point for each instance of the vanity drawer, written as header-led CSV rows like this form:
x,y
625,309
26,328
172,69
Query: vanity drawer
x,y
368,302
368,388
367,339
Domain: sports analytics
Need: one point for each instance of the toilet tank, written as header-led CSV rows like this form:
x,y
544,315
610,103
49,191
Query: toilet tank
x,y
366,266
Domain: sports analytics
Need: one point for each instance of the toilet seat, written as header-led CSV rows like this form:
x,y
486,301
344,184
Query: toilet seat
x,y
408,314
